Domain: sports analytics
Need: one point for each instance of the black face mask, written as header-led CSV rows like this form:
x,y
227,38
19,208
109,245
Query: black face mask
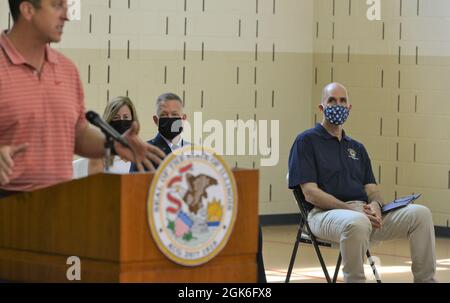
x,y
170,127
121,125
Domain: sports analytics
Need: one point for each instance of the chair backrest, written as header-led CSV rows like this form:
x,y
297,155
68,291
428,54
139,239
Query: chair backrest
x,y
304,206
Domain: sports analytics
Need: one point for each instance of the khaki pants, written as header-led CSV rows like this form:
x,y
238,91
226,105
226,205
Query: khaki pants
x,y
353,231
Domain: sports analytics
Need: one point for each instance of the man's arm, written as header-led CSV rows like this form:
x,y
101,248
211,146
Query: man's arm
x,y
89,143
376,202
319,198
374,193
372,190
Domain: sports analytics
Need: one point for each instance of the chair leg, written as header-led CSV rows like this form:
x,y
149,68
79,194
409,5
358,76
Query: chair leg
x,y
318,253
372,265
322,263
338,266
294,252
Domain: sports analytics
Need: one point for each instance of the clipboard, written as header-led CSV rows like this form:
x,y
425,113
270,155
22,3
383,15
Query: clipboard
x,y
399,203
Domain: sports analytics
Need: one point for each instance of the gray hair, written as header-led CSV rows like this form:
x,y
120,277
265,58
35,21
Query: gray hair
x,y
167,97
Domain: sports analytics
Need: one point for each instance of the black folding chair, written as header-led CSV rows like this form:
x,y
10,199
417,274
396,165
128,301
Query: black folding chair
x,y
306,236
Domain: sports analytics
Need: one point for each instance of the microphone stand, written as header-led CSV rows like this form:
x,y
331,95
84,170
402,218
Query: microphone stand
x,y
109,144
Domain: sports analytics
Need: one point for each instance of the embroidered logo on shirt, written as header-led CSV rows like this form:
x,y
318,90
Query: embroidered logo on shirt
x,y
352,154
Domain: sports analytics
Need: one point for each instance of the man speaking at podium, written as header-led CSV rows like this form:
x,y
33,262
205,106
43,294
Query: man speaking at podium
x,y
42,120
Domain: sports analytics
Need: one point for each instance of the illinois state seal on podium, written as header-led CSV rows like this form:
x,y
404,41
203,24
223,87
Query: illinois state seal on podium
x,y
192,205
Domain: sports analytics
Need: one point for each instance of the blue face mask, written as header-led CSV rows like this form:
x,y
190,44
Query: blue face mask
x,y
336,114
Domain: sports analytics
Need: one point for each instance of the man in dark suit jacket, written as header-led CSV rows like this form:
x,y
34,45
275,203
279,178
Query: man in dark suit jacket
x,y
162,143
169,119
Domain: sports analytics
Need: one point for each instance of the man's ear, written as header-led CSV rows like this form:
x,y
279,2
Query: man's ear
x,y
27,10
350,107
156,120
321,108
184,117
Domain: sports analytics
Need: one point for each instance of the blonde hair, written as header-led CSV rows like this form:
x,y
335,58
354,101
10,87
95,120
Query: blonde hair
x,y
115,105
113,108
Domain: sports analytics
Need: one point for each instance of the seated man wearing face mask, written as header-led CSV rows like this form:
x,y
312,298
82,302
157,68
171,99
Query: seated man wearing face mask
x,y
169,118
335,174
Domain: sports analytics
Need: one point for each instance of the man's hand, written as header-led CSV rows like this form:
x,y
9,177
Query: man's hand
x,y
145,153
373,212
7,154
355,206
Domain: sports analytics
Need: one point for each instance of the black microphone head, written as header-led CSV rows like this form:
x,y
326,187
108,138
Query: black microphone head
x,y
91,116
95,119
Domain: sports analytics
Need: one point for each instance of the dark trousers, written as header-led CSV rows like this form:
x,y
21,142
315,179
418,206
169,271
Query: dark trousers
x,y
259,259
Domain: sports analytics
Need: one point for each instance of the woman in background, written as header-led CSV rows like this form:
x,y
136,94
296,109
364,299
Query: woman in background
x,y
120,113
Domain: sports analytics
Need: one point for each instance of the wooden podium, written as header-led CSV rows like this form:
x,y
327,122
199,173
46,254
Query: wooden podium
x,y
102,220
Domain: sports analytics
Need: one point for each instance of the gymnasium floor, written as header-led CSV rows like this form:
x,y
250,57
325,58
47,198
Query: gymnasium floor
x,y
394,258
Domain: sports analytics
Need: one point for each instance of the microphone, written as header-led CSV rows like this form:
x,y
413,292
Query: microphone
x,y
95,119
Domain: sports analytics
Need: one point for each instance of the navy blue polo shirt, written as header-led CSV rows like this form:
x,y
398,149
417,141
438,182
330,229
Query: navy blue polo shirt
x,y
341,169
